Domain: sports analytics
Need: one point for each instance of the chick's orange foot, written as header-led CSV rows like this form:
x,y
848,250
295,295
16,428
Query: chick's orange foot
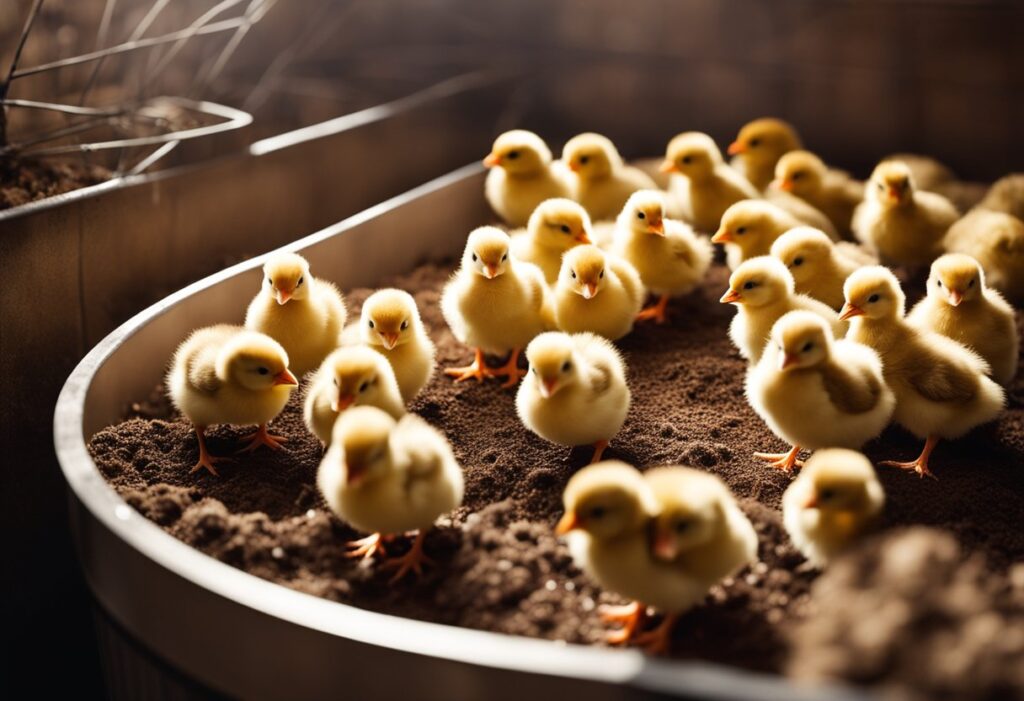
x,y
599,449
510,370
412,561
477,370
206,461
920,465
366,547
783,461
631,616
658,641
262,437
657,312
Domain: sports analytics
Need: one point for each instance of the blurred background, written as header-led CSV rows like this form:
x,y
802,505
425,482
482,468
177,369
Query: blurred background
x,y
194,95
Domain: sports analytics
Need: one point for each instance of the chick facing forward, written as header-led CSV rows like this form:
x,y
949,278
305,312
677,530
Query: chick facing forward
x,y
996,240
390,324
749,228
603,182
302,313
759,146
351,376
387,477
818,265
495,304
597,292
815,392
521,177
942,388
671,259
831,191
960,306
763,291
834,500
228,375
555,226
575,392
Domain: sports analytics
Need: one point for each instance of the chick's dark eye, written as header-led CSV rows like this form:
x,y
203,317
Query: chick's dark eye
x,y
754,143
808,346
796,176
687,159
371,323
971,283
504,257
601,274
798,261
880,186
873,298
598,512
584,159
404,326
363,387
565,228
682,526
749,285
263,371
512,155
742,230
939,283
826,494
573,274
301,280
270,281
474,258
641,215
566,366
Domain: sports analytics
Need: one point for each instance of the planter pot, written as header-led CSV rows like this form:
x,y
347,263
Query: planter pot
x,y
216,623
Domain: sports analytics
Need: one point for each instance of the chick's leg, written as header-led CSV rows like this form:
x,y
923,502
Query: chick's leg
x,y
631,616
783,461
920,466
658,641
205,459
478,370
414,560
657,311
599,449
262,437
509,370
366,547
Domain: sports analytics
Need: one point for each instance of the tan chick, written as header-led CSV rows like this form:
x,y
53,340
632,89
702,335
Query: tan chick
x,y
815,392
390,324
495,304
351,376
603,182
759,146
576,391
227,375
555,226
749,228
818,265
942,388
763,290
834,500
671,259
597,292
831,191
387,477
996,240
302,313
960,306
1006,195
522,176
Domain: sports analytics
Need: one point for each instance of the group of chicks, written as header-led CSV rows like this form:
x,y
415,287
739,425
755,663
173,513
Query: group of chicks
x,y
832,357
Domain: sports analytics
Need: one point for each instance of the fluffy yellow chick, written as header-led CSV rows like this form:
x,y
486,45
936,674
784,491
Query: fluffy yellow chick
x,y
835,499
227,375
302,313
352,376
387,477
603,182
671,259
1006,195
905,225
390,324
960,306
496,304
763,291
819,267
815,392
831,191
928,173
597,292
576,391
703,185
749,228
555,226
759,146
522,176
942,388
996,240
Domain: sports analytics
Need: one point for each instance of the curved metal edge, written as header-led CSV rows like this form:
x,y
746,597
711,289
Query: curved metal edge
x,y
481,648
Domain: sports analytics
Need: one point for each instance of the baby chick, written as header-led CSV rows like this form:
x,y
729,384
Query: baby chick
x,y
819,267
576,392
764,290
941,387
597,292
815,392
703,185
351,376
670,258
1006,195
834,500
960,306
996,240
227,375
390,324
386,477
522,176
555,227
905,225
759,146
749,228
302,313
831,191
495,304
603,181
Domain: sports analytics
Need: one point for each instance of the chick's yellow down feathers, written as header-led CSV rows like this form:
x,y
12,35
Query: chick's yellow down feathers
x,y
749,228
602,182
833,192
554,227
597,292
759,146
521,176
996,240
818,265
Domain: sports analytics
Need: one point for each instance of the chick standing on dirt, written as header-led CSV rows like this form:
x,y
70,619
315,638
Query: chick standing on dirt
x,y
818,265
597,292
390,324
555,227
522,176
603,182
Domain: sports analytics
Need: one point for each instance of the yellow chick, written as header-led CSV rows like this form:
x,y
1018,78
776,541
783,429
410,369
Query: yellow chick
x,y
390,324
302,313
1006,195
835,499
603,182
996,240
759,146
227,375
671,259
749,228
597,292
576,392
960,306
831,191
928,173
387,477
703,185
351,376
521,177
815,392
819,267
942,388
905,225
763,291
495,304
555,227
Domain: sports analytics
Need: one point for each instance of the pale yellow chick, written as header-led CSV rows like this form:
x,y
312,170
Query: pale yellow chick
x,y
555,227
1006,195
996,240
759,146
749,228
818,265
597,292
521,177
390,324
603,182
831,191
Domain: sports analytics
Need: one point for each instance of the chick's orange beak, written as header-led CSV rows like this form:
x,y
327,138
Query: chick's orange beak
x,y
568,522
574,166
723,235
656,226
342,402
283,296
548,387
490,271
955,298
589,290
736,147
787,360
354,471
582,237
849,311
731,297
894,194
390,339
285,377
786,185
668,166
492,160
664,546
812,501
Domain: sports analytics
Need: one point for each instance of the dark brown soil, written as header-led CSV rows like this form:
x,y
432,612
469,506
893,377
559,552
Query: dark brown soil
x,y
23,181
502,569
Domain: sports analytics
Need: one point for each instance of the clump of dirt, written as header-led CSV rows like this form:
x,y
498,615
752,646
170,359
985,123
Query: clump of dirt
x,y
28,180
